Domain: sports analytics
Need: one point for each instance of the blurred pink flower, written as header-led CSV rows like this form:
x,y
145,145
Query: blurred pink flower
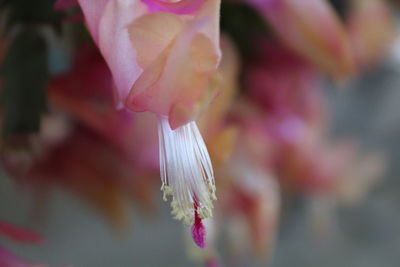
x,y
312,29
293,149
283,84
310,165
252,200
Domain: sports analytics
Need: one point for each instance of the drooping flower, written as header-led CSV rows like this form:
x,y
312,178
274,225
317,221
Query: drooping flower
x,y
294,118
163,56
163,62
278,93
313,30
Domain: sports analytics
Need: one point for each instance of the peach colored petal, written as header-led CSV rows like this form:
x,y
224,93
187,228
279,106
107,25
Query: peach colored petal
x,y
372,29
185,78
160,60
145,90
213,118
203,60
222,145
151,34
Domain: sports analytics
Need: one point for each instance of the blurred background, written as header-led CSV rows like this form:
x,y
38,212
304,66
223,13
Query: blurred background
x,y
304,143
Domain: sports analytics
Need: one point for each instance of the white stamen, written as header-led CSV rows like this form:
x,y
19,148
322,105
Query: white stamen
x,y
186,171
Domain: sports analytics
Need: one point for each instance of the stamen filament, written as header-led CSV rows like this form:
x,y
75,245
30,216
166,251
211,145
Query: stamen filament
x,y
186,171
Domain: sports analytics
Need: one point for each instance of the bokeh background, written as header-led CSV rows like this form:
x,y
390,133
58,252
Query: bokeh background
x,y
364,108
365,235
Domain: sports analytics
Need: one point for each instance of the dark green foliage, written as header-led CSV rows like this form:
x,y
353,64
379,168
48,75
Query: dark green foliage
x,y
24,72
245,25
29,12
25,76
341,6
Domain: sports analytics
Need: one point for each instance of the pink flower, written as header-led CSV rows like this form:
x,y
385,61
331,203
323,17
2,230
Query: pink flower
x,y
312,29
283,84
163,56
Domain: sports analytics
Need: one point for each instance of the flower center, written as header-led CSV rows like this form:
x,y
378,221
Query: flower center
x,y
186,173
198,229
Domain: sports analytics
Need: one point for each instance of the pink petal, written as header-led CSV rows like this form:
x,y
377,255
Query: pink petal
x,y
19,234
107,21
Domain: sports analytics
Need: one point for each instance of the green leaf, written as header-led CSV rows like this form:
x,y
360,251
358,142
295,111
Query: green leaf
x,y
25,77
245,25
30,12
